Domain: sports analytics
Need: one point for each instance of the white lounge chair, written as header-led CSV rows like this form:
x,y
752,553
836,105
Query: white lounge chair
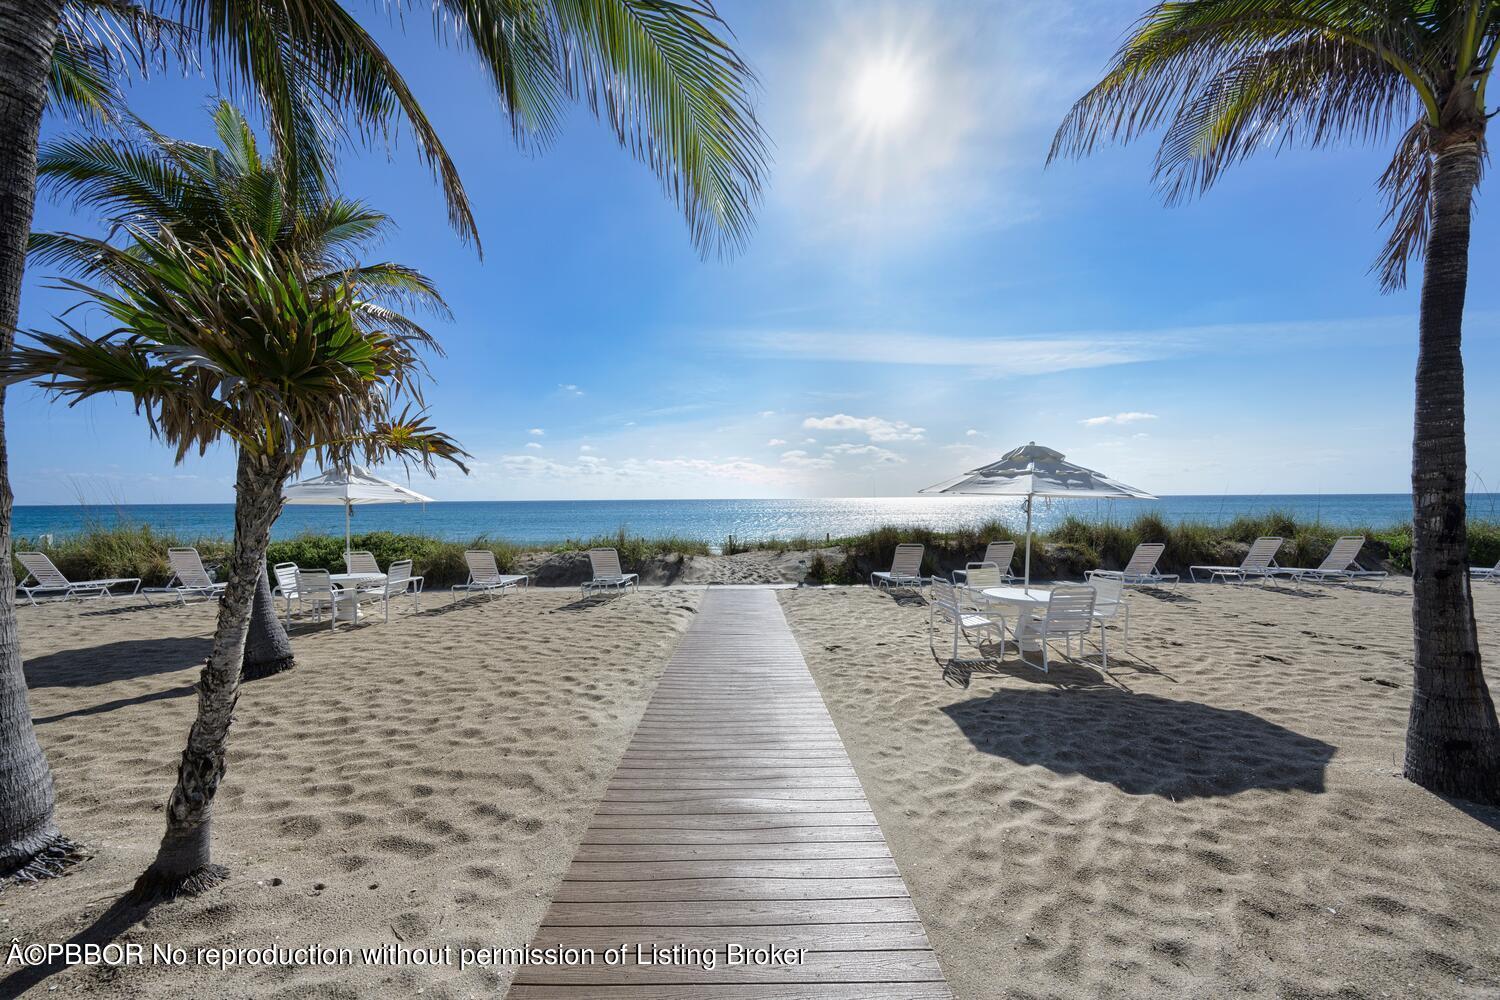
x,y
1140,571
949,604
1069,614
1485,572
605,564
1341,563
906,568
189,578
1109,605
285,588
361,562
997,554
42,577
1259,564
485,576
398,583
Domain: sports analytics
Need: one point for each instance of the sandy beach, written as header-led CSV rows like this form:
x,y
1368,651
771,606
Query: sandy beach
x,y
1223,816
416,783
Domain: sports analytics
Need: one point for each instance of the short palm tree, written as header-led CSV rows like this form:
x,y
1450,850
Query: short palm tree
x,y
277,348
659,72
1226,78
147,182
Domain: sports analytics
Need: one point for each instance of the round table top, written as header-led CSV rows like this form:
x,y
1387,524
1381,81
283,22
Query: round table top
x,y
1018,595
356,577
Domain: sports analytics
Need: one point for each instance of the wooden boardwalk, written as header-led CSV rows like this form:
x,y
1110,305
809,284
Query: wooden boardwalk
x,y
735,819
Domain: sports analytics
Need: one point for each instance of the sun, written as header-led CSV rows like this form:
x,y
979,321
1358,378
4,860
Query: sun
x,y
884,93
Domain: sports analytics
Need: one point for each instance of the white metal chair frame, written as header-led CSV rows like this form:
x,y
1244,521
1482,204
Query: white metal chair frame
x,y
608,575
1069,614
189,577
398,583
997,554
1491,573
285,575
1340,565
316,586
1141,569
906,568
949,604
485,576
1109,605
1259,563
361,562
50,580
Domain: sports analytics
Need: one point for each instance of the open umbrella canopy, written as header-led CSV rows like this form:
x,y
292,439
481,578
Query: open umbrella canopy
x,y
347,487
1033,471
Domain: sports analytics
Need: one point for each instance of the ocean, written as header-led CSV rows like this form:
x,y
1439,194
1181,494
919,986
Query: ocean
x,y
714,521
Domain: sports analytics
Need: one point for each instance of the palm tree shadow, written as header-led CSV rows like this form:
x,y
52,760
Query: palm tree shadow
x,y
1141,743
122,915
116,661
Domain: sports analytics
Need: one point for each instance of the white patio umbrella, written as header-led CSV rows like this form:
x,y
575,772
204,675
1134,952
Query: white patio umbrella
x,y
1032,471
347,487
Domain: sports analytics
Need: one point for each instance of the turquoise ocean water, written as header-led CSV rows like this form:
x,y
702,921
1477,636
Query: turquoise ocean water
x,y
541,521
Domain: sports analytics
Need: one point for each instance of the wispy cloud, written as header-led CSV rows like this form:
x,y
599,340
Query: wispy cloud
x,y
998,356
569,389
536,432
799,459
775,443
533,445
1132,417
875,428
879,455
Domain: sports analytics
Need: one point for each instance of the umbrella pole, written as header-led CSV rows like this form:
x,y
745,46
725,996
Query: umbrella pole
x,y
347,543
1028,543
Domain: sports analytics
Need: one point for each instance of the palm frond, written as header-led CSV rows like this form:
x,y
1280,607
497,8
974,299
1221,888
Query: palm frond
x,y
81,81
1406,185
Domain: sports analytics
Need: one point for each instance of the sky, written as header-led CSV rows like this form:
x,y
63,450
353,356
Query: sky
x,y
921,292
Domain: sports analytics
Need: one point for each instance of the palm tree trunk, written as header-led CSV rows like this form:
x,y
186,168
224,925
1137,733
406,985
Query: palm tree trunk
x,y
1452,739
268,650
184,861
30,844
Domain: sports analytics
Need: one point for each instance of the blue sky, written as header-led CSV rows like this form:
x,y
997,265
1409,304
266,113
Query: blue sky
x,y
919,296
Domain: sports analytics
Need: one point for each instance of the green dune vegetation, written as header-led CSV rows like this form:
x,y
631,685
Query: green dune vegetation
x,y
1066,551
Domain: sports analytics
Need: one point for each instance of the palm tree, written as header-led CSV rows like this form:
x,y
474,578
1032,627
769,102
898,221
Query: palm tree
x,y
205,196
1228,77
278,347
661,74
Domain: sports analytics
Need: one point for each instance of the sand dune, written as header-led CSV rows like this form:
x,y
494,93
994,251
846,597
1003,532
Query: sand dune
x,y
416,783
1225,818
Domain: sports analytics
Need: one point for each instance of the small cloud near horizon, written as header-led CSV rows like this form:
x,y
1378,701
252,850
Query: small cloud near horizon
x,y
1132,417
875,428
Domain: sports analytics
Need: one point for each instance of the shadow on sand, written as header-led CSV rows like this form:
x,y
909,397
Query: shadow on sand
x,y
116,661
1140,743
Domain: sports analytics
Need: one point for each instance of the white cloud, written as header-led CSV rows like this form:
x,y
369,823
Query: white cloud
x,y
536,432
569,389
534,445
875,428
799,459
971,432
998,356
1132,417
881,456
775,443
585,447
766,413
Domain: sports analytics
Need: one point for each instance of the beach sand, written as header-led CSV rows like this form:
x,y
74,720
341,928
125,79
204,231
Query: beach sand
x,y
1226,817
417,783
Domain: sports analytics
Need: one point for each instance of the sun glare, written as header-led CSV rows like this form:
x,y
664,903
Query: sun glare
x,y
884,94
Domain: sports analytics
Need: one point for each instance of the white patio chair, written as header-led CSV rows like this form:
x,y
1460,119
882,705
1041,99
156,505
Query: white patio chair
x,y
42,577
399,583
605,564
1485,572
1069,615
1141,569
1259,564
997,554
1341,563
361,562
285,575
189,578
1110,605
948,604
906,568
316,587
485,576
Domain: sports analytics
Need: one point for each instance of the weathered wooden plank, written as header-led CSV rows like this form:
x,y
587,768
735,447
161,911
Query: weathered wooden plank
x,y
913,966
735,815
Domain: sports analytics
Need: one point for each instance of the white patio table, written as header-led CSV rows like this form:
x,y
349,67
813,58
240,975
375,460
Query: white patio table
x,y
349,585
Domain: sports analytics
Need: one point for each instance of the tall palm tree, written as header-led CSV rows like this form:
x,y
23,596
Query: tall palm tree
x,y
285,350
1226,78
660,73
148,182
